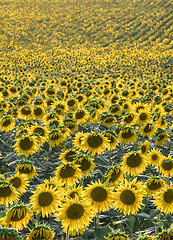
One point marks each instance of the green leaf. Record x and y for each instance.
(2, 214)
(18, 238)
(103, 232)
(143, 215)
(154, 213)
(159, 224)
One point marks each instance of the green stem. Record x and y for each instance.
(97, 220)
(67, 235)
(131, 226)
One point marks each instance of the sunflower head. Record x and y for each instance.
(8, 193)
(127, 135)
(41, 232)
(26, 167)
(8, 233)
(144, 147)
(85, 164)
(118, 235)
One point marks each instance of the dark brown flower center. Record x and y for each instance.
(40, 131)
(25, 111)
(70, 156)
(80, 114)
(5, 191)
(134, 160)
(26, 169)
(167, 165)
(75, 211)
(45, 199)
(129, 118)
(67, 171)
(127, 197)
(168, 196)
(143, 149)
(94, 141)
(154, 157)
(154, 185)
(71, 103)
(127, 134)
(26, 143)
(84, 164)
(98, 194)
(143, 116)
(16, 182)
(7, 122)
(37, 111)
(18, 215)
(147, 128)
(115, 175)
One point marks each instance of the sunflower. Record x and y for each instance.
(27, 145)
(165, 235)
(78, 140)
(85, 164)
(94, 115)
(126, 106)
(52, 183)
(7, 123)
(55, 122)
(164, 199)
(154, 157)
(134, 163)
(8, 233)
(148, 129)
(153, 185)
(94, 142)
(80, 98)
(112, 139)
(17, 217)
(71, 124)
(72, 103)
(40, 232)
(68, 156)
(162, 123)
(114, 175)
(8, 193)
(166, 166)
(129, 119)
(162, 138)
(75, 216)
(99, 196)
(40, 132)
(128, 199)
(127, 135)
(45, 200)
(81, 116)
(115, 109)
(20, 182)
(143, 116)
(108, 120)
(55, 137)
(118, 236)
(74, 191)
(144, 147)
(65, 131)
(25, 112)
(68, 174)
(139, 106)
(38, 112)
(26, 167)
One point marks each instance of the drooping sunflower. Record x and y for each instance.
(126, 106)
(162, 123)
(94, 115)
(25, 112)
(134, 163)
(99, 196)
(127, 135)
(68, 156)
(17, 217)
(71, 124)
(154, 157)
(72, 103)
(26, 167)
(115, 109)
(129, 119)
(7, 123)
(94, 142)
(45, 200)
(81, 116)
(75, 215)
(153, 185)
(144, 147)
(8, 193)
(111, 136)
(8, 233)
(85, 164)
(164, 199)
(20, 182)
(78, 140)
(148, 129)
(40, 132)
(40, 232)
(27, 145)
(55, 137)
(108, 120)
(118, 236)
(165, 235)
(163, 136)
(68, 174)
(166, 166)
(114, 176)
(128, 199)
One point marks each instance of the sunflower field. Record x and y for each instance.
(86, 120)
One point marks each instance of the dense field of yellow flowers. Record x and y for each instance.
(86, 110)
